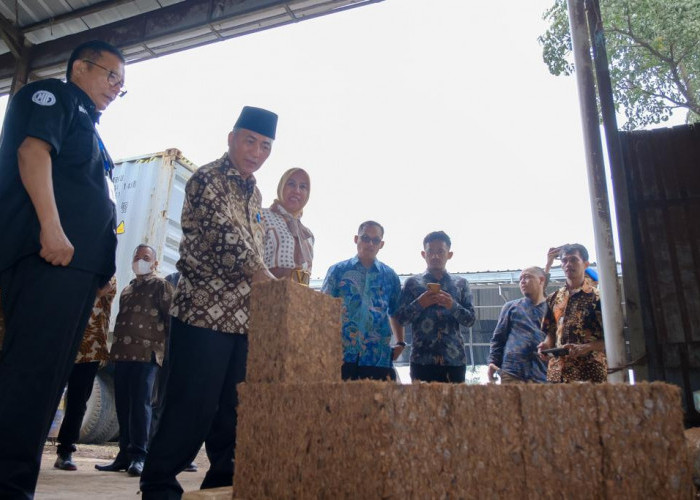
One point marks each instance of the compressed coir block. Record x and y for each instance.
(692, 437)
(641, 430)
(376, 440)
(383, 440)
(294, 334)
(561, 441)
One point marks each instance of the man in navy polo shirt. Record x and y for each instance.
(58, 246)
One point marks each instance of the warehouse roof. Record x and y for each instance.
(42, 33)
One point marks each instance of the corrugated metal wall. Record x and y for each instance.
(662, 178)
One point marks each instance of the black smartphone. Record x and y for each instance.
(556, 352)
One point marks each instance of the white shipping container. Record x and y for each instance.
(150, 193)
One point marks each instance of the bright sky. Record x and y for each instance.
(420, 115)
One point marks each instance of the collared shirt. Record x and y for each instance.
(93, 347)
(515, 339)
(437, 339)
(370, 296)
(143, 320)
(575, 317)
(221, 248)
(63, 116)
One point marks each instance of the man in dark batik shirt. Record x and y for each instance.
(436, 304)
(518, 332)
(574, 321)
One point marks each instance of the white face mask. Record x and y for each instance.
(141, 267)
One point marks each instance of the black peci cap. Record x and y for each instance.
(258, 120)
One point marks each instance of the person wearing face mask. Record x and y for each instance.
(140, 333)
(289, 245)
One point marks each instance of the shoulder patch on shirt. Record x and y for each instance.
(44, 98)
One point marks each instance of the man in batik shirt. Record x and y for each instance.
(574, 321)
(370, 292)
(518, 333)
(221, 257)
(436, 303)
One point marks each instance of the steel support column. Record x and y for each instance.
(600, 206)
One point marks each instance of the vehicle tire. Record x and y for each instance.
(100, 421)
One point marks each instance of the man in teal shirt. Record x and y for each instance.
(370, 291)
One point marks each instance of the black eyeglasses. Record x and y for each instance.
(367, 239)
(112, 78)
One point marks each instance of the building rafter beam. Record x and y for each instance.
(75, 14)
(140, 31)
(12, 37)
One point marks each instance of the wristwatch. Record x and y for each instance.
(402, 343)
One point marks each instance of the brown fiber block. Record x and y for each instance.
(561, 441)
(645, 451)
(692, 438)
(321, 440)
(294, 334)
(383, 440)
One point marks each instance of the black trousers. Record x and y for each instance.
(438, 373)
(353, 371)
(200, 407)
(82, 376)
(133, 390)
(46, 311)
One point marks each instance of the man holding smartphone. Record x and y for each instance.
(574, 322)
(436, 303)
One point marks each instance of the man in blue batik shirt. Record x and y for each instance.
(436, 303)
(370, 292)
(518, 332)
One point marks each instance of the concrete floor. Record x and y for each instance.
(87, 482)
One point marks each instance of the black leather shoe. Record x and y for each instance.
(119, 464)
(135, 468)
(65, 463)
(191, 468)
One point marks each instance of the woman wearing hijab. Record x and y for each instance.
(289, 245)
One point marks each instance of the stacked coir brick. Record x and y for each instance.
(304, 434)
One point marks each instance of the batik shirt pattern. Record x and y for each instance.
(575, 317)
(369, 296)
(143, 322)
(515, 339)
(221, 248)
(93, 347)
(437, 337)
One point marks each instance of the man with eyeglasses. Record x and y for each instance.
(370, 292)
(58, 225)
(436, 303)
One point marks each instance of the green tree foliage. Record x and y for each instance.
(653, 49)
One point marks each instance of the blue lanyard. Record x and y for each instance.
(105, 158)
